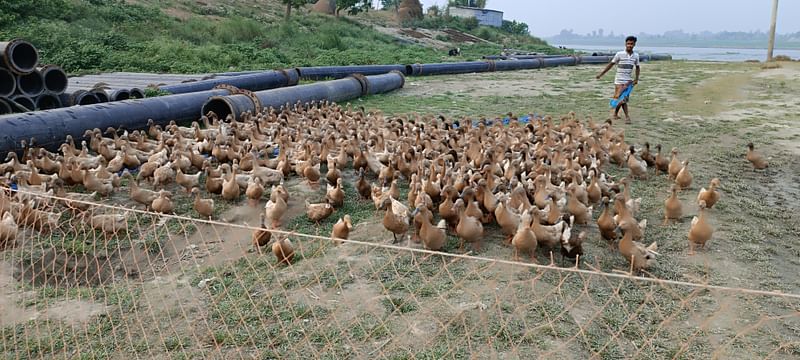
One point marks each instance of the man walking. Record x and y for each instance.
(625, 61)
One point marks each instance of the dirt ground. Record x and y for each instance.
(207, 294)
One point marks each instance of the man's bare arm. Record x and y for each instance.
(636, 79)
(608, 67)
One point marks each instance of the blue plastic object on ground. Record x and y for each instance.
(622, 97)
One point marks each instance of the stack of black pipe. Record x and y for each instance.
(24, 86)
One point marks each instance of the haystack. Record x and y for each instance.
(409, 10)
(325, 7)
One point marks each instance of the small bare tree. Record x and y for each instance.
(292, 4)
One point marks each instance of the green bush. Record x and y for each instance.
(485, 33)
(471, 23)
(15, 10)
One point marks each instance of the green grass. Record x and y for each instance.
(89, 36)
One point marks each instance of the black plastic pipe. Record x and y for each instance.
(451, 68)
(102, 95)
(84, 98)
(602, 53)
(340, 72)
(237, 73)
(5, 107)
(490, 65)
(235, 105)
(31, 84)
(136, 93)
(8, 83)
(253, 82)
(510, 65)
(334, 90)
(502, 63)
(654, 57)
(119, 95)
(596, 59)
(19, 56)
(381, 84)
(55, 79)
(25, 102)
(79, 97)
(519, 57)
(49, 128)
(560, 61)
(48, 101)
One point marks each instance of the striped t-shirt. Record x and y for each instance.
(625, 64)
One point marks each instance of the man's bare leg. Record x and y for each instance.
(618, 88)
(627, 116)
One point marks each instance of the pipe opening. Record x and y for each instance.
(31, 84)
(25, 102)
(120, 95)
(55, 80)
(5, 108)
(102, 96)
(23, 56)
(47, 102)
(136, 93)
(85, 98)
(219, 106)
(8, 84)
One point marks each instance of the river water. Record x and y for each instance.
(691, 53)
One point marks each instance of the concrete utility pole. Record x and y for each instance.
(772, 29)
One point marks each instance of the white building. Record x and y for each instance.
(485, 16)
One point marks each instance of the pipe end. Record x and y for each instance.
(137, 93)
(292, 76)
(48, 102)
(120, 94)
(5, 107)
(83, 97)
(25, 102)
(102, 95)
(21, 57)
(402, 77)
(219, 106)
(8, 84)
(55, 79)
(31, 84)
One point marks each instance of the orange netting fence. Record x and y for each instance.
(121, 283)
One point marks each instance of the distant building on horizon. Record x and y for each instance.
(486, 17)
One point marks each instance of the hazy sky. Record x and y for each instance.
(547, 18)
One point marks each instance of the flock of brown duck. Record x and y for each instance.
(538, 180)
